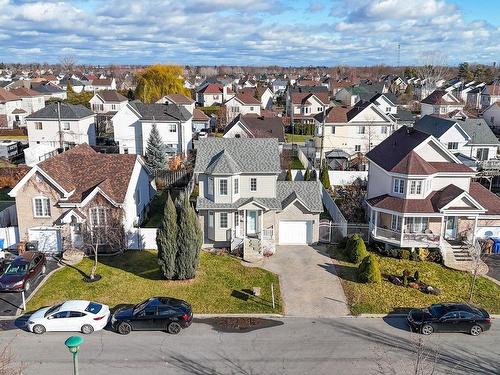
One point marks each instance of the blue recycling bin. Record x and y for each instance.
(496, 245)
(1, 243)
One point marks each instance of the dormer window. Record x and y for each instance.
(399, 186)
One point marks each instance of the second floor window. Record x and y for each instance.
(223, 187)
(482, 154)
(38, 126)
(41, 207)
(236, 186)
(253, 184)
(357, 148)
(172, 128)
(384, 130)
(98, 217)
(65, 125)
(452, 145)
(399, 186)
(361, 130)
(415, 187)
(210, 186)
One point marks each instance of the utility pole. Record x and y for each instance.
(322, 139)
(61, 143)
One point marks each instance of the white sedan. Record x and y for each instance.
(82, 316)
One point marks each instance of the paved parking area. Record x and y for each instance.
(11, 302)
(309, 284)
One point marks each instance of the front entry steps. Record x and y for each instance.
(457, 256)
(252, 250)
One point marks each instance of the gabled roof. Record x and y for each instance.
(179, 99)
(438, 97)
(102, 82)
(199, 115)
(251, 155)
(490, 201)
(82, 170)
(67, 112)
(247, 99)
(46, 88)
(413, 164)
(260, 126)
(303, 97)
(7, 96)
(214, 88)
(160, 112)
(111, 96)
(24, 92)
(308, 193)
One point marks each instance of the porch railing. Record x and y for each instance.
(267, 234)
(406, 238)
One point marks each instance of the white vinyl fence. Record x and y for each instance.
(10, 237)
(142, 239)
(8, 216)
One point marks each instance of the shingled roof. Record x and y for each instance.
(67, 112)
(111, 96)
(260, 126)
(251, 155)
(7, 96)
(161, 112)
(81, 169)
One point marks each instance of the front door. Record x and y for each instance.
(251, 222)
(451, 227)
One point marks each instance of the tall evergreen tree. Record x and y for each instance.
(155, 153)
(166, 240)
(307, 175)
(325, 178)
(289, 174)
(189, 243)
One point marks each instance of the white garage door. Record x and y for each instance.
(295, 232)
(48, 239)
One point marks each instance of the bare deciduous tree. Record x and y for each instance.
(103, 230)
(433, 68)
(67, 62)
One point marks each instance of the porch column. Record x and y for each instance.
(261, 218)
(375, 223)
(402, 229)
(245, 224)
(474, 232)
(442, 230)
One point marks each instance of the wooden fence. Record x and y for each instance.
(168, 179)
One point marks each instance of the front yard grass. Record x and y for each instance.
(297, 138)
(386, 297)
(219, 286)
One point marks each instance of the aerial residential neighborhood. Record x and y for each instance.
(263, 187)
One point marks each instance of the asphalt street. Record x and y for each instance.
(295, 346)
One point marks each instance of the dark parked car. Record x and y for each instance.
(155, 314)
(450, 317)
(22, 271)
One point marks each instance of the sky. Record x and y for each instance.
(251, 32)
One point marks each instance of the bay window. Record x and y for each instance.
(399, 186)
(223, 187)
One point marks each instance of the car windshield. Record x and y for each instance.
(140, 306)
(16, 269)
(437, 310)
(93, 308)
(53, 309)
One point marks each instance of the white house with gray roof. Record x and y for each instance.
(132, 125)
(242, 202)
(471, 137)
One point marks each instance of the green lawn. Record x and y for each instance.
(297, 137)
(295, 163)
(156, 211)
(387, 297)
(134, 276)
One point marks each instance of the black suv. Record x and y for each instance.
(155, 314)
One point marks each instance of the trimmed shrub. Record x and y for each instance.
(356, 249)
(369, 270)
(423, 254)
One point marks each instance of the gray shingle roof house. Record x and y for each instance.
(67, 112)
(242, 203)
(471, 137)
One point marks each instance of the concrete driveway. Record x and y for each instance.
(493, 262)
(309, 284)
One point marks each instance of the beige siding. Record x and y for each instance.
(297, 212)
(266, 186)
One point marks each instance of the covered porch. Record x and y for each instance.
(250, 221)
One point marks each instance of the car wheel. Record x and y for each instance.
(87, 329)
(174, 328)
(27, 286)
(44, 269)
(476, 330)
(427, 329)
(38, 329)
(124, 328)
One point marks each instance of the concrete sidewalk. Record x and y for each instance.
(309, 284)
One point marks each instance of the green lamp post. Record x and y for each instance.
(73, 343)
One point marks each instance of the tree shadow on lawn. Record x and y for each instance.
(139, 263)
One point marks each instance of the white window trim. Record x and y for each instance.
(251, 185)
(220, 187)
(227, 220)
(398, 184)
(236, 184)
(210, 219)
(44, 213)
